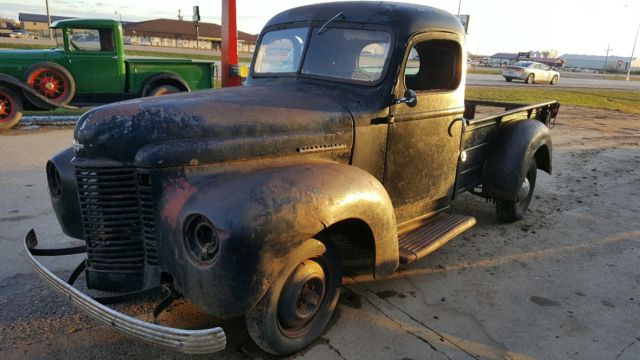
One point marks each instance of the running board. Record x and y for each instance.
(434, 233)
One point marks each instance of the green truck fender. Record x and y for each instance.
(260, 217)
(36, 98)
(518, 143)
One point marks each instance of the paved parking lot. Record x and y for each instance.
(561, 284)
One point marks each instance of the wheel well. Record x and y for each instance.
(543, 160)
(165, 79)
(172, 82)
(356, 243)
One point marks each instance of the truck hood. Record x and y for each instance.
(214, 126)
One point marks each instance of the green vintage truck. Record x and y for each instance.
(87, 67)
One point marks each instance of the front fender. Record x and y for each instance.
(36, 98)
(518, 143)
(262, 215)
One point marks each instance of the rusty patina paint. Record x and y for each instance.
(177, 193)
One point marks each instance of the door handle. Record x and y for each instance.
(464, 125)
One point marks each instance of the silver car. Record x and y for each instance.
(531, 72)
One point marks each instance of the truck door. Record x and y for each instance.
(92, 59)
(424, 141)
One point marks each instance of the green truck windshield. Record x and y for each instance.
(345, 54)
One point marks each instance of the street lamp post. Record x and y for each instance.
(49, 19)
(633, 50)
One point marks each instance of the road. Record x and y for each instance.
(561, 284)
(565, 82)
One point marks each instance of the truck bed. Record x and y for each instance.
(478, 140)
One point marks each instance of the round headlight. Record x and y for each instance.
(53, 178)
(201, 239)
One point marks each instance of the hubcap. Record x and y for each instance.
(49, 83)
(524, 190)
(5, 106)
(301, 296)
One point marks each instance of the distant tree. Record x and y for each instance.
(8, 23)
(549, 53)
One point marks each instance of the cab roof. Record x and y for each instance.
(89, 23)
(405, 19)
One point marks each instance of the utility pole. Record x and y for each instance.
(633, 50)
(49, 19)
(459, 5)
(179, 16)
(196, 21)
(604, 69)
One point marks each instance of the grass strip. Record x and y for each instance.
(619, 100)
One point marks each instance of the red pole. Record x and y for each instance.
(230, 45)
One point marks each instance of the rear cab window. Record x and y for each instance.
(92, 40)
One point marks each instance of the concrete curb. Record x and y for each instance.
(48, 120)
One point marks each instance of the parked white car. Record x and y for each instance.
(531, 72)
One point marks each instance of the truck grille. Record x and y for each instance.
(118, 219)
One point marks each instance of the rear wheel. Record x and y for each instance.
(554, 80)
(530, 79)
(10, 108)
(300, 303)
(512, 210)
(52, 81)
(163, 90)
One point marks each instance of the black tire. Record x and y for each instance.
(508, 79)
(296, 309)
(160, 90)
(530, 79)
(39, 71)
(516, 209)
(554, 80)
(10, 108)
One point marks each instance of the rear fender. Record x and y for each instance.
(518, 141)
(263, 215)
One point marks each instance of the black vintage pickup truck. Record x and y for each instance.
(349, 141)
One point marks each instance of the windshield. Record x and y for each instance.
(524, 64)
(57, 33)
(346, 54)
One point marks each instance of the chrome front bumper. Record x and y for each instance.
(202, 341)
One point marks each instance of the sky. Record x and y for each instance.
(568, 26)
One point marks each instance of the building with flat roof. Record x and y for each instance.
(37, 24)
(597, 62)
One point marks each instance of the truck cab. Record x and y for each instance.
(349, 142)
(93, 44)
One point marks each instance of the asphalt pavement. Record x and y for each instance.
(565, 82)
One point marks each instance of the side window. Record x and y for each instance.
(434, 65)
(91, 40)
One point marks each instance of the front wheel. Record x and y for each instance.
(512, 210)
(10, 108)
(300, 303)
(52, 81)
(530, 79)
(554, 80)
